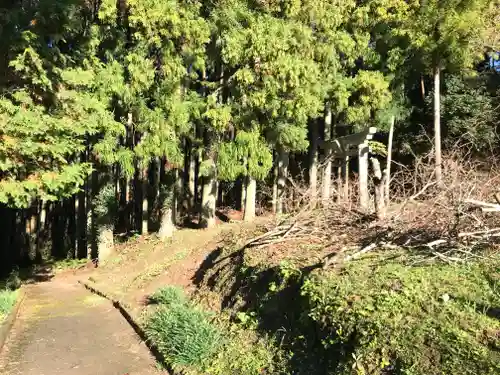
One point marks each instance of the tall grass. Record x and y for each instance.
(183, 333)
(191, 341)
(7, 301)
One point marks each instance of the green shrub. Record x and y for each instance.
(13, 282)
(388, 318)
(190, 340)
(169, 295)
(7, 301)
(244, 353)
(184, 334)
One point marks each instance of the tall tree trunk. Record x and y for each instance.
(94, 190)
(327, 171)
(437, 125)
(339, 181)
(422, 87)
(192, 178)
(251, 192)
(244, 183)
(275, 188)
(40, 229)
(363, 176)
(345, 171)
(389, 162)
(283, 161)
(379, 188)
(209, 198)
(81, 223)
(145, 203)
(243, 196)
(178, 197)
(72, 229)
(313, 161)
(167, 226)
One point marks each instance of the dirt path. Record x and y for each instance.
(62, 329)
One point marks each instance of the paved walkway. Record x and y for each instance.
(62, 329)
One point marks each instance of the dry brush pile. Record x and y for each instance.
(452, 222)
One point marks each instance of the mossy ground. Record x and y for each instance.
(280, 312)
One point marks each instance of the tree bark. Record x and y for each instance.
(422, 87)
(244, 186)
(339, 182)
(283, 161)
(275, 189)
(387, 196)
(251, 192)
(192, 179)
(327, 171)
(363, 176)
(93, 250)
(40, 229)
(209, 199)
(345, 170)
(243, 193)
(313, 161)
(178, 197)
(167, 226)
(379, 188)
(145, 203)
(437, 125)
(167, 221)
(105, 242)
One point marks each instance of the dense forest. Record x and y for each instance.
(137, 116)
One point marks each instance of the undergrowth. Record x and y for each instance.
(380, 316)
(194, 341)
(7, 300)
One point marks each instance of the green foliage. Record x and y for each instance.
(169, 296)
(247, 155)
(106, 205)
(377, 148)
(189, 339)
(184, 334)
(245, 353)
(13, 282)
(469, 114)
(7, 300)
(381, 316)
(68, 264)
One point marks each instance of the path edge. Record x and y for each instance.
(6, 325)
(131, 320)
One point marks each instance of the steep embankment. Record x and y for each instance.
(287, 303)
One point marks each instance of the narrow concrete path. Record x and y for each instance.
(62, 329)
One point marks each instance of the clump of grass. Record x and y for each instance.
(183, 333)
(384, 317)
(170, 295)
(191, 339)
(7, 301)
(68, 264)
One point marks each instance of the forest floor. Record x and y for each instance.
(63, 329)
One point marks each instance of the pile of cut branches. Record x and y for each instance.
(454, 222)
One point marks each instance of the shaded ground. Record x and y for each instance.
(62, 329)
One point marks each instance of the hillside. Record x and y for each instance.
(317, 302)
